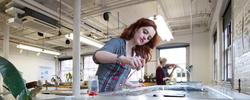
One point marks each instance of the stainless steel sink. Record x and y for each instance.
(177, 91)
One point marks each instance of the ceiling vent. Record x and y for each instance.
(38, 22)
(41, 23)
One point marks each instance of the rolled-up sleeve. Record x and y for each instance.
(111, 46)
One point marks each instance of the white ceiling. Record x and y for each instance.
(176, 12)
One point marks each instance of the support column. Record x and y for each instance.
(6, 37)
(76, 49)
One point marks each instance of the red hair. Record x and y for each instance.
(146, 49)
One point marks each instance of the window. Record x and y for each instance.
(227, 42)
(66, 67)
(89, 66)
(176, 55)
(215, 54)
(227, 53)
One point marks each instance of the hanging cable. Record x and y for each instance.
(191, 26)
(191, 19)
(60, 14)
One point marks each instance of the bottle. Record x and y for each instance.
(93, 86)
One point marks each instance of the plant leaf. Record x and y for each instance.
(13, 80)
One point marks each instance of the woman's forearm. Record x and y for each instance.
(133, 85)
(105, 57)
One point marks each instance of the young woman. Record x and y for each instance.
(119, 55)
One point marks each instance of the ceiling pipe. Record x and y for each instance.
(98, 10)
(12, 40)
(65, 4)
(188, 31)
(28, 41)
(184, 18)
(199, 22)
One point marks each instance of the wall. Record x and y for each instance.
(28, 63)
(241, 44)
(241, 41)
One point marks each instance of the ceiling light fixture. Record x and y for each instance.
(162, 28)
(87, 40)
(39, 50)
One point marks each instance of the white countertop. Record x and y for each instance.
(219, 92)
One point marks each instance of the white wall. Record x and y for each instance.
(28, 62)
(200, 58)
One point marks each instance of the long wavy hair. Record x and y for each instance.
(141, 50)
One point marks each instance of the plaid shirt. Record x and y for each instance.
(112, 76)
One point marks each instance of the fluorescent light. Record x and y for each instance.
(162, 28)
(51, 52)
(87, 40)
(39, 50)
(28, 48)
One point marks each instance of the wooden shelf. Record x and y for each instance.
(148, 84)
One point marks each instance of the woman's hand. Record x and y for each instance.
(133, 85)
(166, 78)
(135, 62)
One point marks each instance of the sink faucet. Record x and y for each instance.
(183, 70)
(239, 86)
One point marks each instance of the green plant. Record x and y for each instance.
(13, 80)
(69, 77)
